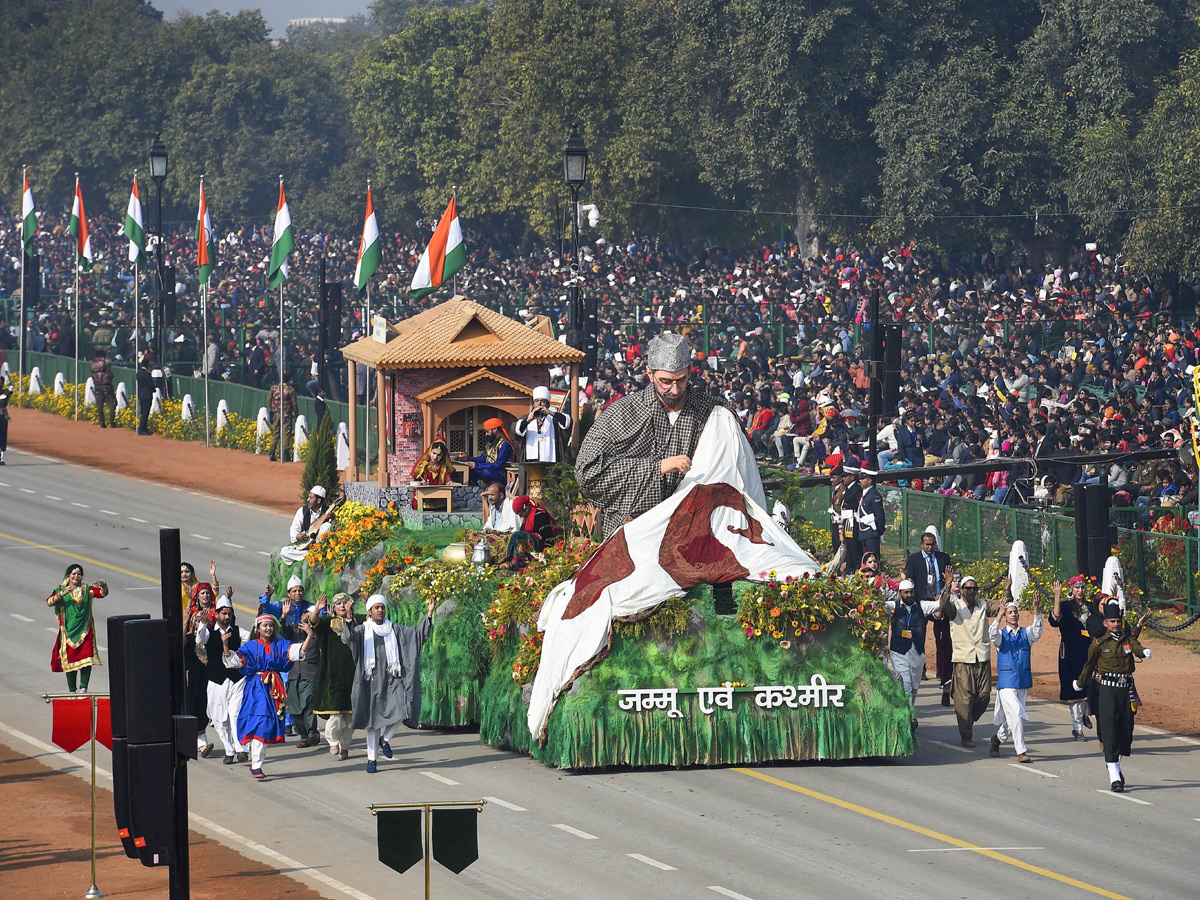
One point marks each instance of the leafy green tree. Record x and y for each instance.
(320, 460)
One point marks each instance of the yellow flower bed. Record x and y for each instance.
(337, 547)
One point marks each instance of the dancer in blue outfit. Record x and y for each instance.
(263, 661)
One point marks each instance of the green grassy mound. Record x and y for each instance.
(588, 729)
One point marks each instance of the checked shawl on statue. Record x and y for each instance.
(713, 529)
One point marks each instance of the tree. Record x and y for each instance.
(320, 459)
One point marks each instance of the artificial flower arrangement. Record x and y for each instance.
(790, 609)
(338, 546)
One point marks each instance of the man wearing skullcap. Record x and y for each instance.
(640, 447)
(906, 640)
(971, 654)
(224, 686)
(1014, 675)
(335, 678)
(1111, 662)
(544, 432)
(387, 676)
(497, 454)
(302, 523)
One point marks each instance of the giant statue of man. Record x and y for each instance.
(639, 448)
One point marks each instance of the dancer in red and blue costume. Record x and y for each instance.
(263, 661)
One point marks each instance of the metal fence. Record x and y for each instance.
(1163, 566)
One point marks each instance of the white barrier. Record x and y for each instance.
(299, 436)
(156, 403)
(343, 447)
(187, 410)
(122, 396)
(60, 385)
(35, 381)
(222, 415)
(89, 392)
(264, 428)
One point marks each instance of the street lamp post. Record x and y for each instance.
(575, 157)
(158, 171)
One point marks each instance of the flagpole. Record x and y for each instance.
(136, 328)
(282, 421)
(207, 367)
(367, 390)
(454, 279)
(81, 222)
(21, 329)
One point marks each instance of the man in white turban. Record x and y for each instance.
(387, 677)
(302, 525)
(544, 431)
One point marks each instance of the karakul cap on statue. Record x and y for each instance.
(669, 352)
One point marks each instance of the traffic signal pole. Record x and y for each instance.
(179, 871)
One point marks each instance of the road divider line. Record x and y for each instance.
(1158, 732)
(20, 618)
(498, 801)
(575, 831)
(263, 553)
(930, 833)
(107, 512)
(52, 497)
(237, 546)
(200, 537)
(960, 849)
(52, 630)
(1027, 768)
(27, 491)
(5, 484)
(651, 862)
(80, 505)
(726, 892)
(442, 778)
(1124, 797)
(136, 519)
(284, 862)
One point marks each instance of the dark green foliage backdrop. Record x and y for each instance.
(1040, 123)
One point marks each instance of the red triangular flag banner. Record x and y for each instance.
(72, 722)
(103, 722)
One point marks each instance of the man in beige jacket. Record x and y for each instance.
(971, 686)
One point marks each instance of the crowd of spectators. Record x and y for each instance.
(1000, 355)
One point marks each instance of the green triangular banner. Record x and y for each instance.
(399, 834)
(455, 838)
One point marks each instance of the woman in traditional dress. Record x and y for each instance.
(1073, 648)
(75, 647)
(264, 697)
(434, 467)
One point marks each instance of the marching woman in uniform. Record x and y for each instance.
(1110, 662)
(262, 661)
(75, 647)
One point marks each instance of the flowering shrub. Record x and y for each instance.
(1168, 554)
(434, 578)
(337, 547)
(794, 608)
(814, 539)
(350, 510)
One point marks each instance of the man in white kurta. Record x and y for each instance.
(224, 687)
(1014, 676)
(301, 522)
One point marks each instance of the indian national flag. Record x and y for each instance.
(369, 253)
(282, 243)
(134, 228)
(78, 227)
(444, 256)
(28, 219)
(206, 251)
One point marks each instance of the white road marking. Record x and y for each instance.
(968, 849)
(1158, 732)
(51, 497)
(514, 806)
(27, 491)
(200, 537)
(442, 778)
(108, 512)
(952, 747)
(228, 544)
(726, 892)
(1025, 767)
(651, 862)
(284, 862)
(52, 630)
(20, 618)
(263, 553)
(136, 519)
(80, 505)
(575, 831)
(5, 484)
(1124, 797)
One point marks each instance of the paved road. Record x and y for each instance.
(944, 823)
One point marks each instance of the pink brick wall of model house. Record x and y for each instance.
(410, 382)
